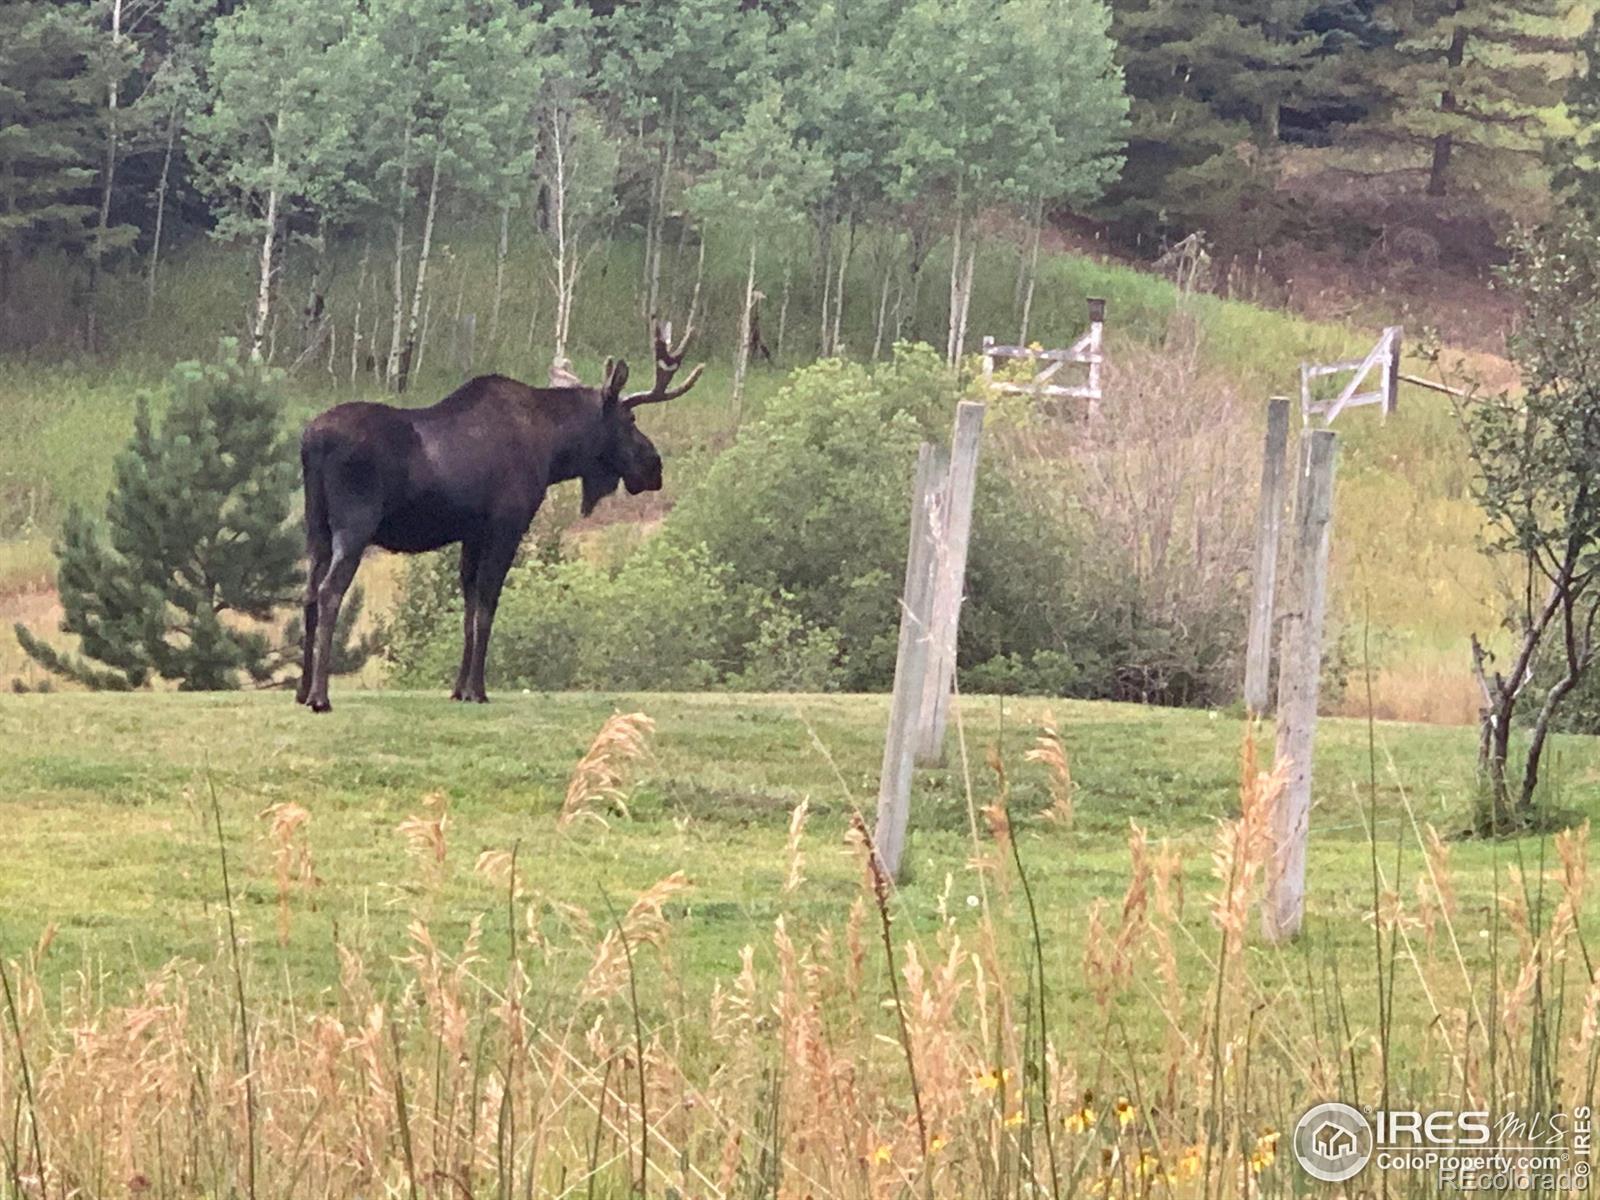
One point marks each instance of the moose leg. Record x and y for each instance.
(308, 638)
(492, 568)
(330, 595)
(471, 555)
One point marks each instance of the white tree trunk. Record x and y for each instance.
(421, 284)
(838, 291)
(391, 366)
(741, 360)
(950, 352)
(502, 248)
(1032, 270)
(161, 214)
(422, 340)
(658, 216)
(565, 284)
(964, 298)
(783, 313)
(825, 247)
(883, 308)
(108, 176)
(269, 235)
(699, 278)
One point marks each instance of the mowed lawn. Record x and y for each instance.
(109, 831)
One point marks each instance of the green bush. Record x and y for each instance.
(659, 621)
(813, 505)
(789, 653)
(416, 635)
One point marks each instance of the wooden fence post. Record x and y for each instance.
(1097, 328)
(952, 532)
(1299, 680)
(911, 662)
(1269, 530)
(1391, 370)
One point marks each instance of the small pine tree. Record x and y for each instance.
(198, 552)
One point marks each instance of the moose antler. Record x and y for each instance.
(668, 360)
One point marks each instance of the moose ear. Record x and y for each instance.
(613, 380)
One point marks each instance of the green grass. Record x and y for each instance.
(108, 820)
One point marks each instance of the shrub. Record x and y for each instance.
(659, 621)
(812, 506)
(1164, 489)
(789, 653)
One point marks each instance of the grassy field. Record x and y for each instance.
(110, 822)
(400, 1040)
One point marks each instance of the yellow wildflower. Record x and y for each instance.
(1081, 1120)
(1125, 1112)
(882, 1154)
(937, 1143)
(988, 1081)
(1266, 1150)
(1014, 1119)
(1189, 1163)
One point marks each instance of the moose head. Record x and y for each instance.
(626, 455)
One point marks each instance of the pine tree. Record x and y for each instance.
(197, 554)
(1209, 82)
(1466, 75)
(1575, 156)
(49, 114)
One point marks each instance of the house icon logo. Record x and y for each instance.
(1332, 1142)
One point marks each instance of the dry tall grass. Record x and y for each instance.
(858, 1060)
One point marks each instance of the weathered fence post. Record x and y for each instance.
(952, 532)
(1299, 680)
(1269, 529)
(1097, 328)
(911, 661)
(1391, 370)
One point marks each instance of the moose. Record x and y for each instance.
(472, 469)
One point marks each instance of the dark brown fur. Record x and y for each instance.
(472, 469)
